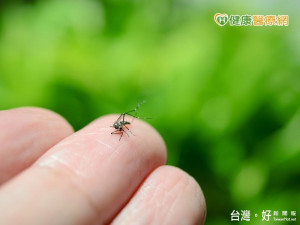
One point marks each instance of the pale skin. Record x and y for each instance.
(51, 175)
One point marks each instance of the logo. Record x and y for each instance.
(251, 20)
(221, 19)
(265, 215)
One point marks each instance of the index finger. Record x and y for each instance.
(88, 177)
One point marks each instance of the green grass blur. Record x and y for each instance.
(225, 99)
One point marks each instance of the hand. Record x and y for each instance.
(50, 175)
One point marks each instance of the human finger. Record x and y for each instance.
(168, 196)
(86, 178)
(25, 134)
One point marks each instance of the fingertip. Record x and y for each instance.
(29, 133)
(189, 192)
(38, 115)
(168, 196)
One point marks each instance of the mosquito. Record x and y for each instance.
(120, 123)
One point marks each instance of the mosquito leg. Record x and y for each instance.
(121, 136)
(126, 133)
(118, 132)
(148, 118)
(136, 108)
(123, 116)
(135, 111)
(119, 117)
(129, 130)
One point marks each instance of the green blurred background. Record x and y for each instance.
(225, 99)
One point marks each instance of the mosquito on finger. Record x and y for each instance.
(121, 123)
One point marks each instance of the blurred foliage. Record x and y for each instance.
(225, 99)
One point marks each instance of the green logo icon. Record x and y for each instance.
(221, 19)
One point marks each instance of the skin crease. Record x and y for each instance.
(90, 177)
